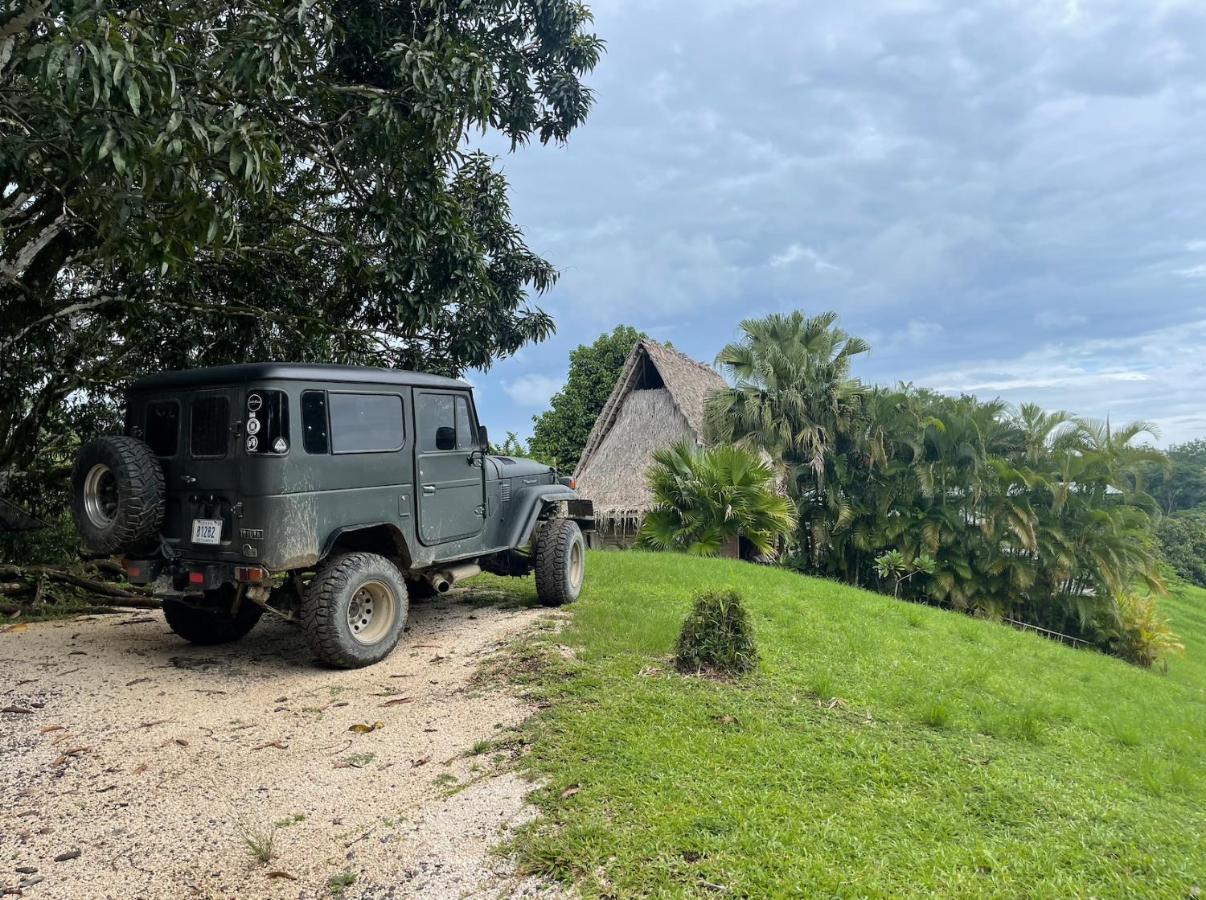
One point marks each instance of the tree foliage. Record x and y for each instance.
(560, 433)
(1183, 545)
(1179, 482)
(706, 498)
(1034, 515)
(198, 183)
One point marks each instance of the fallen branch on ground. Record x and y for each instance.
(88, 588)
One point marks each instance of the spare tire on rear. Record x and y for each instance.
(117, 494)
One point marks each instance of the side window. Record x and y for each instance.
(209, 426)
(464, 425)
(366, 423)
(267, 425)
(314, 422)
(163, 427)
(437, 422)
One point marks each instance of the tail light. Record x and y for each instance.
(251, 574)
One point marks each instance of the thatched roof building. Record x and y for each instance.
(658, 400)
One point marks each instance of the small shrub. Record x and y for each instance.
(717, 636)
(1142, 635)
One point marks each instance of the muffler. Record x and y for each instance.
(445, 579)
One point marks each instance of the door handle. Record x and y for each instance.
(429, 489)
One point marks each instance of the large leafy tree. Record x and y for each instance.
(560, 432)
(204, 182)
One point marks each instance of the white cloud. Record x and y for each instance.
(533, 390)
(796, 252)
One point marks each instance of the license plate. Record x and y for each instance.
(207, 531)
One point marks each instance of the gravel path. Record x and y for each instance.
(154, 759)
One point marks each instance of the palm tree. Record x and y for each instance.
(793, 395)
(706, 498)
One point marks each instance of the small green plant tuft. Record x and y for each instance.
(936, 715)
(260, 842)
(337, 884)
(717, 636)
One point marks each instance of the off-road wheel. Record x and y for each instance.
(560, 562)
(355, 610)
(117, 494)
(215, 625)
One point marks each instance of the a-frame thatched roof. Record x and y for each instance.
(658, 399)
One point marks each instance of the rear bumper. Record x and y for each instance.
(192, 576)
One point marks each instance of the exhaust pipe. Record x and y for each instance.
(444, 580)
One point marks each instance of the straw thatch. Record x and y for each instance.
(658, 400)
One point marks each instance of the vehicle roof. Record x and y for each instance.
(265, 371)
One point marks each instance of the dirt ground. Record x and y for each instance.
(153, 763)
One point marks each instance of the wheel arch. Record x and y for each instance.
(532, 505)
(383, 538)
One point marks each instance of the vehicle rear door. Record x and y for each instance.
(449, 474)
(203, 480)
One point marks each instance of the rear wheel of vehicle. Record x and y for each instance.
(214, 625)
(117, 494)
(560, 562)
(355, 610)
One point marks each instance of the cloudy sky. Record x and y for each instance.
(1005, 197)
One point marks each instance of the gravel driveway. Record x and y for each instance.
(151, 763)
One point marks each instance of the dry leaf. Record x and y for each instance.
(140, 769)
(49, 728)
(365, 728)
(398, 701)
(421, 761)
(279, 745)
(16, 709)
(13, 629)
(280, 874)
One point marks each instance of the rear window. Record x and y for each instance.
(209, 427)
(365, 423)
(267, 425)
(314, 422)
(163, 427)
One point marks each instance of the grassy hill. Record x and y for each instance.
(882, 749)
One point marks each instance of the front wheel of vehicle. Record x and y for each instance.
(560, 562)
(355, 610)
(206, 627)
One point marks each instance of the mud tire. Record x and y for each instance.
(341, 588)
(560, 562)
(117, 495)
(208, 627)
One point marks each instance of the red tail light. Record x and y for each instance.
(196, 578)
(251, 574)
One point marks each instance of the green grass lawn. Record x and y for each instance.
(881, 749)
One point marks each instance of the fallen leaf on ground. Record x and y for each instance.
(140, 769)
(70, 854)
(49, 728)
(10, 629)
(421, 761)
(137, 681)
(279, 745)
(16, 709)
(365, 728)
(398, 701)
(280, 874)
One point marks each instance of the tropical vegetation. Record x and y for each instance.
(559, 433)
(1019, 513)
(878, 749)
(710, 498)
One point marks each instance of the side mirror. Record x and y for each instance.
(446, 438)
(483, 439)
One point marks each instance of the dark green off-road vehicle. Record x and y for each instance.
(325, 494)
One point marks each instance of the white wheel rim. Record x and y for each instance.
(100, 496)
(371, 612)
(576, 564)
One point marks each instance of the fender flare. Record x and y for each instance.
(401, 549)
(532, 504)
